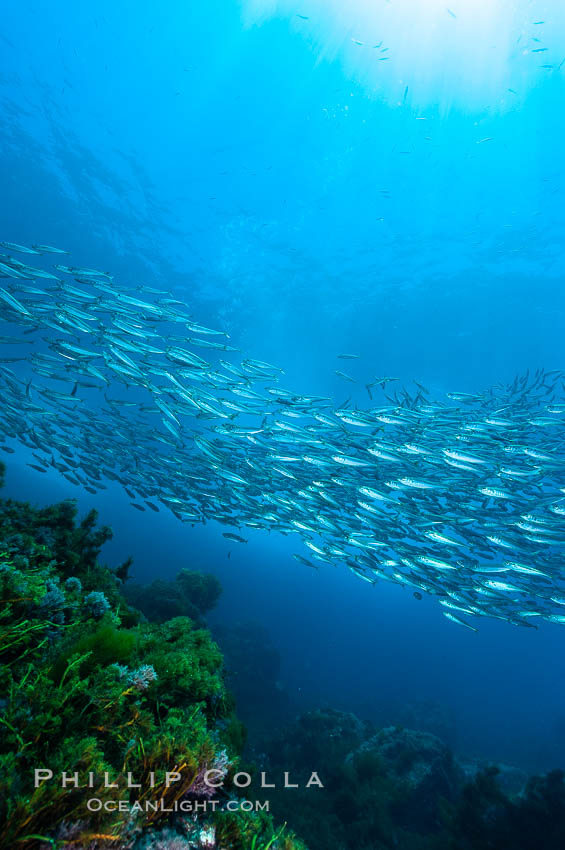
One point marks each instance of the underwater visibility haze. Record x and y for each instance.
(282, 300)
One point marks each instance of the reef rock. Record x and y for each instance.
(510, 779)
(423, 766)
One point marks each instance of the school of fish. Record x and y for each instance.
(461, 497)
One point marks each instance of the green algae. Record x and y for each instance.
(190, 594)
(96, 689)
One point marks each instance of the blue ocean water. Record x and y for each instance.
(316, 178)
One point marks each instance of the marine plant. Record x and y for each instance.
(487, 819)
(86, 687)
(190, 594)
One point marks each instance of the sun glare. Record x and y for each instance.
(446, 51)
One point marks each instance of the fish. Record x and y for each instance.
(455, 619)
(235, 537)
(19, 249)
(456, 494)
(48, 249)
(417, 485)
(435, 563)
(441, 538)
(463, 458)
(13, 302)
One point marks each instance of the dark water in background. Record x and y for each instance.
(269, 172)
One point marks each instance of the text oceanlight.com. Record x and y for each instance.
(95, 804)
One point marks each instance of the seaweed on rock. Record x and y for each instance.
(401, 789)
(85, 687)
(190, 594)
(487, 819)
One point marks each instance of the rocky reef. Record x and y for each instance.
(189, 594)
(402, 789)
(139, 710)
